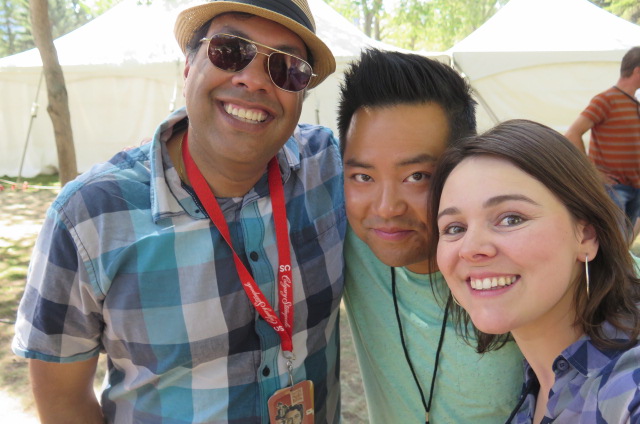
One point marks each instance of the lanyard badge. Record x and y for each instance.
(286, 403)
(292, 405)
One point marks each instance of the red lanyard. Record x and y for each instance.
(283, 325)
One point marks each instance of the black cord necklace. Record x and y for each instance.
(427, 405)
(531, 387)
(633, 99)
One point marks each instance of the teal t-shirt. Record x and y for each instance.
(469, 388)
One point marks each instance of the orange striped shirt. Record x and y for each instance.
(615, 137)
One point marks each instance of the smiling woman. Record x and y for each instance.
(495, 225)
(530, 246)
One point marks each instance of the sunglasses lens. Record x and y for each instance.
(230, 53)
(233, 54)
(288, 72)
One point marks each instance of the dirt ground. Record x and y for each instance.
(21, 214)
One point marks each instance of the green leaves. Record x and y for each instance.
(436, 25)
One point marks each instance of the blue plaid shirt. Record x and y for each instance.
(127, 262)
(592, 386)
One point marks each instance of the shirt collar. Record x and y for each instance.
(583, 355)
(586, 358)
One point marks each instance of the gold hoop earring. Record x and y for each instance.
(586, 272)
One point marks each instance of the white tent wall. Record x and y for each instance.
(321, 105)
(111, 108)
(553, 94)
(123, 73)
(543, 60)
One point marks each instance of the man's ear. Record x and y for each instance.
(588, 242)
(185, 74)
(187, 67)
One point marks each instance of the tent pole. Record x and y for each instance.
(481, 100)
(34, 114)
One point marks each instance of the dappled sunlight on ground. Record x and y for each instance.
(12, 411)
(22, 212)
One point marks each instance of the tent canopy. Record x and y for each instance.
(124, 73)
(543, 59)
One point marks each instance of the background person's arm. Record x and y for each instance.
(580, 126)
(64, 392)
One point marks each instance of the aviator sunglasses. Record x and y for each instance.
(232, 53)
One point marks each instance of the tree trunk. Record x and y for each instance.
(376, 27)
(368, 23)
(58, 107)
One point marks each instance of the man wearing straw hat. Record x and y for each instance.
(207, 264)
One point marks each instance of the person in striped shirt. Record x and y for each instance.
(613, 117)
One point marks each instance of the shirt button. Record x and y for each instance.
(266, 371)
(563, 365)
(254, 256)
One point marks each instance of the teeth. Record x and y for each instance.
(245, 114)
(490, 283)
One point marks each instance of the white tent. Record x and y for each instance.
(543, 59)
(123, 73)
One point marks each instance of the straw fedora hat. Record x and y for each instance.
(293, 14)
